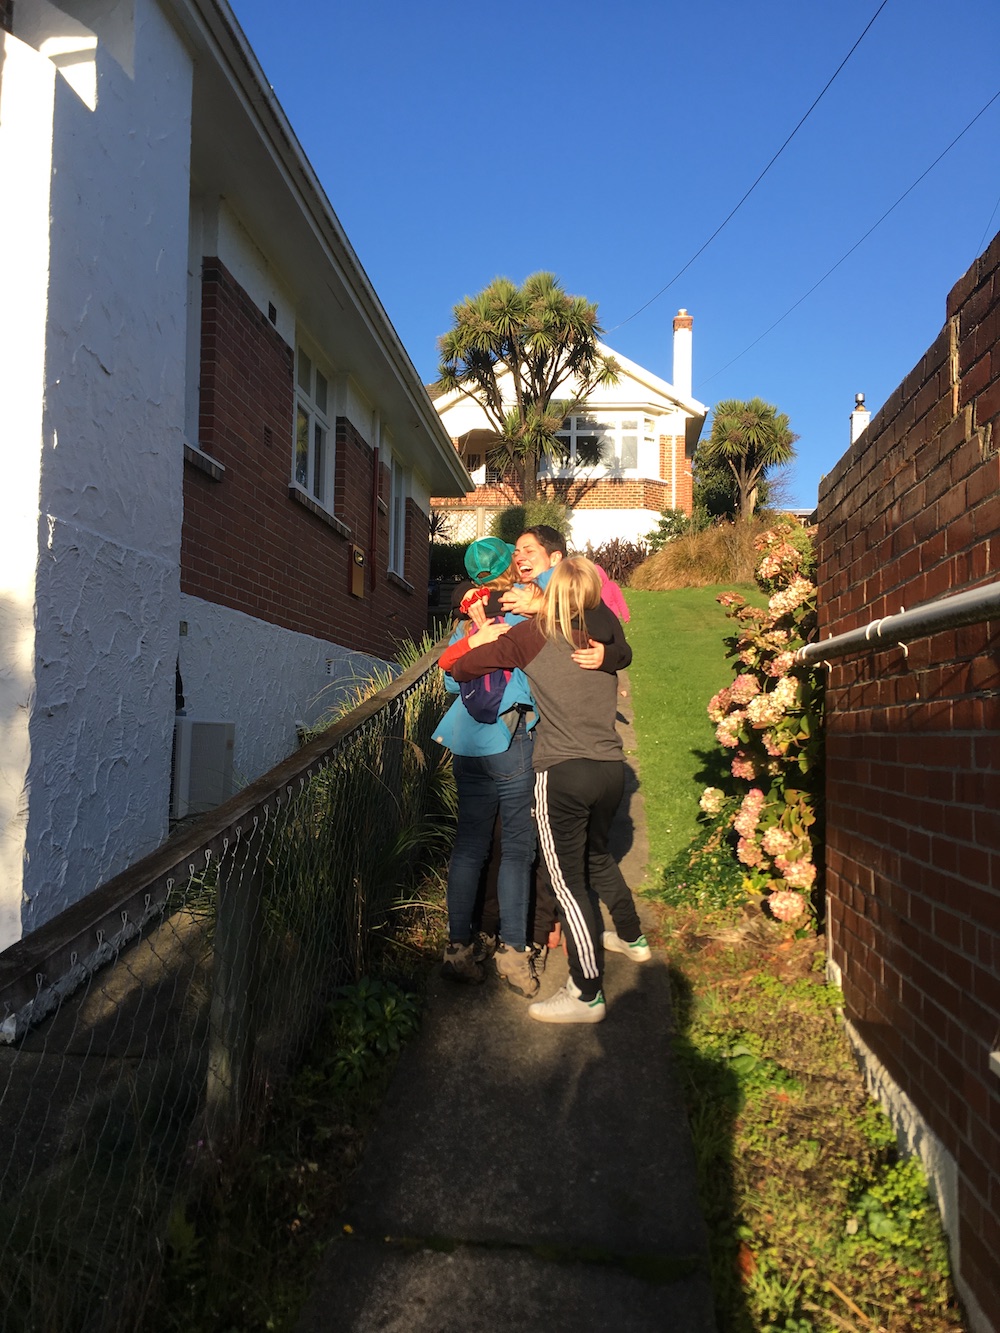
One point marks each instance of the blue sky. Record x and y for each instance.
(607, 144)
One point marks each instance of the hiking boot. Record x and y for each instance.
(638, 950)
(539, 956)
(567, 1006)
(460, 964)
(483, 946)
(517, 968)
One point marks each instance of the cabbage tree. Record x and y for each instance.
(750, 438)
(513, 349)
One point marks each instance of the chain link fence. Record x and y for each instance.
(146, 1028)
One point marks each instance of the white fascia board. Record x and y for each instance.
(663, 396)
(661, 388)
(212, 28)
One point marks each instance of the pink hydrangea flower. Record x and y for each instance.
(712, 800)
(743, 688)
(748, 817)
(786, 905)
(743, 767)
(748, 852)
(727, 732)
(797, 592)
(777, 841)
(780, 665)
(718, 705)
(796, 874)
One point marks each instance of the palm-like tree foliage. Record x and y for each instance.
(512, 349)
(750, 438)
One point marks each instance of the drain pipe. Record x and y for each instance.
(963, 608)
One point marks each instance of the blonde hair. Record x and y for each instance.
(573, 589)
(503, 582)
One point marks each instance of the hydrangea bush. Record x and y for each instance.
(771, 719)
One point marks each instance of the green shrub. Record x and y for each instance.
(448, 560)
(673, 523)
(706, 874)
(511, 522)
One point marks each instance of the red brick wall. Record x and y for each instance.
(606, 493)
(245, 542)
(912, 512)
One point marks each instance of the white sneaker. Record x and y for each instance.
(566, 1006)
(638, 950)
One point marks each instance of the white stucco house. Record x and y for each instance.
(218, 456)
(646, 429)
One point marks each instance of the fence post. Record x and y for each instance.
(231, 1014)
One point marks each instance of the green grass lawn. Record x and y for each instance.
(679, 663)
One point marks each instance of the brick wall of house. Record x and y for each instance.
(673, 455)
(607, 493)
(250, 545)
(602, 493)
(911, 513)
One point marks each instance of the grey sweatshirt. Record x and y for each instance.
(577, 708)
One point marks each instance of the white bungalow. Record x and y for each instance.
(646, 430)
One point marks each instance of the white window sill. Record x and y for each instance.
(303, 498)
(400, 582)
(204, 462)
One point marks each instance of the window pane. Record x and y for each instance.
(302, 447)
(305, 372)
(630, 451)
(630, 425)
(321, 391)
(319, 460)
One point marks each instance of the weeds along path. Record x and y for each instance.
(679, 662)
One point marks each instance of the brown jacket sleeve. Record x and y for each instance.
(516, 648)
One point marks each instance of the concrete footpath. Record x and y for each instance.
(525, 1176)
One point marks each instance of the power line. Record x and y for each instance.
(860, 241)
(729, 216)
(986, 229)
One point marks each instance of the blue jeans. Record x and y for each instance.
(487, 784)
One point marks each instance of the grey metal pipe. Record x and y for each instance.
(963, 608)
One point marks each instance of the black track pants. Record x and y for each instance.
(575, 802)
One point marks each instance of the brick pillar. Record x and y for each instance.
(675, 470)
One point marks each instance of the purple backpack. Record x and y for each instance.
(482, 696)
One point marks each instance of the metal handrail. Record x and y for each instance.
(963, 608)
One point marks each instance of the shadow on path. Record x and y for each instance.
(526, 1176)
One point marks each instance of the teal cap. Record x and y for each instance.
(488, 558)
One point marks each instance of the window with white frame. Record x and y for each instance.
(313, 461)
(397, 516)
(612, 441)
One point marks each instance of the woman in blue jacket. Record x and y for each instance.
(493, 774)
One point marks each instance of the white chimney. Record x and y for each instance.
(682, 353)
(860, 417)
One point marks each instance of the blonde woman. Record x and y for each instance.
(579, 769)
